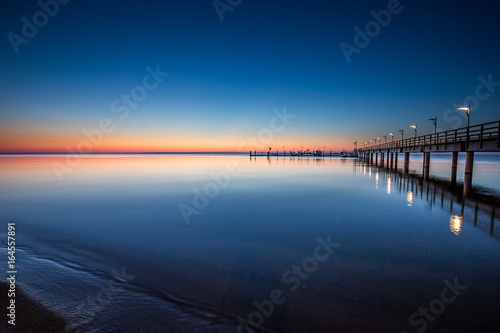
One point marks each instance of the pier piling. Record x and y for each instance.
(427, 161)
(407, 163)
(469, 164)
(454, 164)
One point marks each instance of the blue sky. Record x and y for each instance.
(226, 77)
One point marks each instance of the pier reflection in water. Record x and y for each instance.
(470, 209)
(414, 186)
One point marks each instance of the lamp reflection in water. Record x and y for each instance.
(409, 198)
(456, 222)
(376, 181)
(389, 185)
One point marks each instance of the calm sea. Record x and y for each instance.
(224, 243)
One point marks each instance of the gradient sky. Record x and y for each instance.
(226, 77)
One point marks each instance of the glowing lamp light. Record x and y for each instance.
(467, 112)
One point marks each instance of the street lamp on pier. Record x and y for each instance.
(392, 135)
(434, 121)
(467, 112)
(415, 128)
(402, 131)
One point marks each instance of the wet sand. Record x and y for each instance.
(31, 316)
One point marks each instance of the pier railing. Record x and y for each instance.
(476, 133)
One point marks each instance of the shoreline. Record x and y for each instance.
(31, 315)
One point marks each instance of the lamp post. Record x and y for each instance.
(434, 121)
(392, 135)
(415, 128)
(467, 112)
(402, 136)
(466, 109)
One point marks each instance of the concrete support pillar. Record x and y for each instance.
(381, 159)
(407, 163)
(371, 158)
(469, 163)
(427, 163)
(376, 158)
(454, 164)
(396, 161)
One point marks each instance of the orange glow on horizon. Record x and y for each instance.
(32, 140)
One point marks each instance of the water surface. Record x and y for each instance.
(246, 224)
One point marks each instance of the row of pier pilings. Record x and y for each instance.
(391, 163)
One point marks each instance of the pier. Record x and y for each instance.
(478, 138)
(293, 154)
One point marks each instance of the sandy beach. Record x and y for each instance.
(31, 316)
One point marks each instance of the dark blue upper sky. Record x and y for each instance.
(225, 77)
